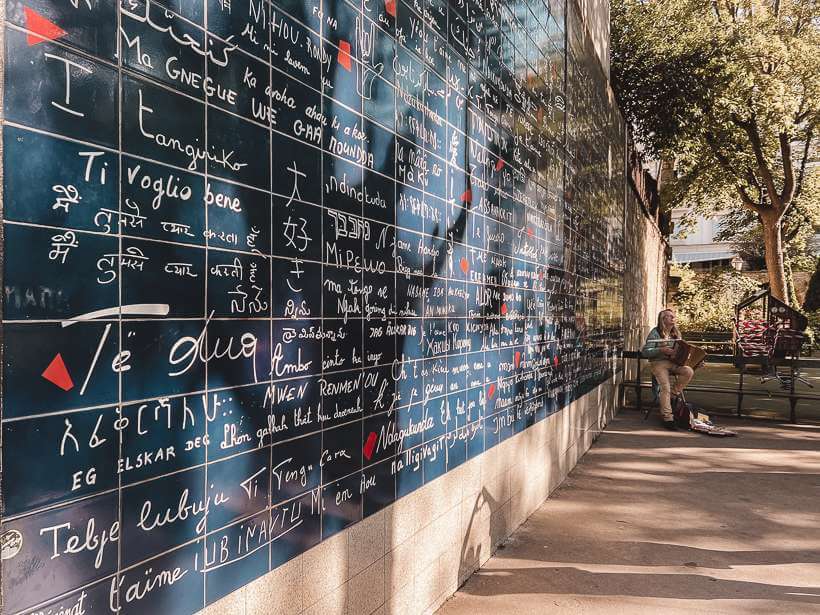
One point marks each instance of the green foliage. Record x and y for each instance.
(730, 91)
(742, 228)
(706, 302)
(685, 69)
(813, 330)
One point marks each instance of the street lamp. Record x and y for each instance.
(737, 263)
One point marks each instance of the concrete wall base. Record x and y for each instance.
(412, 556)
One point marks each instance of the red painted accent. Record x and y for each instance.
(491, 391)
(467, 196)
(390, 7)
(41, 29)
(344, 54)
(499, 165)
(465, 265)
(369, 445)
(503, 309)
(517, 358)
(57, 373)
(556, 361)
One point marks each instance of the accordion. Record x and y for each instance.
(687, 354)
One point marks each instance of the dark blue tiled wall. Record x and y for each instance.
(270, 267)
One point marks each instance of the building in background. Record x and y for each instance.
(699, 248)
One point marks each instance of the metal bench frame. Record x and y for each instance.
(792, 395)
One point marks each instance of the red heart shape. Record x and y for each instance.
(503, 309)
(491, 391)
(465, 265)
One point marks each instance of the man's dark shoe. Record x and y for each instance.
(670, 425)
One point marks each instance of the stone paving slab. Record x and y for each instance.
(662, 522)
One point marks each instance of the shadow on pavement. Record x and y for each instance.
(653, 521)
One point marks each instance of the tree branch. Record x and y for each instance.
(801, 174)
(750, 177)
(716, 7)
(747, 200)
(751, 130)
(788, 169)
(732, 10)
(722, 160)
(788, 237)
(795, 223)
(798, 26)
(752, 180)
(802, 111)
(724, 163)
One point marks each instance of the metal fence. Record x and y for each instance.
(790, 393)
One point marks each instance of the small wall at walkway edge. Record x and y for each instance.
(645, 282)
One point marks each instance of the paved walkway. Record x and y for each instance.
(657, 522)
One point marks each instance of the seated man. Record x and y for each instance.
(658, 348)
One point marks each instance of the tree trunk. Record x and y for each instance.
(791, 290)
(773, 242)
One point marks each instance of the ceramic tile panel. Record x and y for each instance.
(270, 267)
